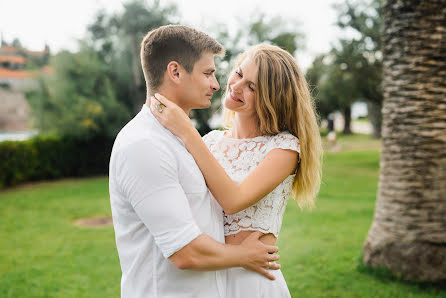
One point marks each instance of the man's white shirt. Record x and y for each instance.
(160, 203)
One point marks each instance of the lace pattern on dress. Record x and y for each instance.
(239, 157)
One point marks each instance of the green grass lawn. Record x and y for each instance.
(43, 254)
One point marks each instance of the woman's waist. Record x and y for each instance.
(238, 238)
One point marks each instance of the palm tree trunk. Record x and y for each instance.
(375, 117)
(408, 233)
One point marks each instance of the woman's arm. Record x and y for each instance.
(233, 197)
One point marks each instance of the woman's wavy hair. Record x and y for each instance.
(284, 103)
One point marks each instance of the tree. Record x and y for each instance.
(78, 98)
(275, 31)
(316, 76)
(334, 83)
(362, 54)
(351, 71)
(16, 43)
(408, 233)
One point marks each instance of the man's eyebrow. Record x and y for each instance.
(210, 69)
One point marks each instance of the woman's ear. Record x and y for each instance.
(173, 71)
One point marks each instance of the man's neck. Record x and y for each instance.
(172, 95)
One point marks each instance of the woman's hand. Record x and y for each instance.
(172, 117)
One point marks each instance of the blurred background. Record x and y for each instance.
(70, 78)
(49, 45)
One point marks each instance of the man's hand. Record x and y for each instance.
(259, 256)
(172, 117)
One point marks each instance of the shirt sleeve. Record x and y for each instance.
(284, 140)
(149, 179)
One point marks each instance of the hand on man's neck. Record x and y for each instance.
(171, 95)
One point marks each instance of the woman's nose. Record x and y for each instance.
(236, 87)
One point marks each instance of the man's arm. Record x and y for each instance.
(204, 253)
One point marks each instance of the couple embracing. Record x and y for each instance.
(199, 217)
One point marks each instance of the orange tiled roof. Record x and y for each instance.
(12, 59)
(13, 50)
(14, 74)
(9, 49)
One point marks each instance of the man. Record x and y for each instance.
(164, 216)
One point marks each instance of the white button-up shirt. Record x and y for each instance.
(160, 203)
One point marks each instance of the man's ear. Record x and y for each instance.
(174, 71)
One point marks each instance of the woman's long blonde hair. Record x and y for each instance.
(284, 103)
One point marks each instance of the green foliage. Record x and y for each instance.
(364, 57)
(351, 71)
(52, 157)
(275, 31)
(319, 77)
(96, 90)
(78, 98)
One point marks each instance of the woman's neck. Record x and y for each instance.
(245, 127)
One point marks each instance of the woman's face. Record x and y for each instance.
(242, 84)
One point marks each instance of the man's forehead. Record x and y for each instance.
(206, 61)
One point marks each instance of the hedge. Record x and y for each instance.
(53, 157)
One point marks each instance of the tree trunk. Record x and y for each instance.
(347, 120)
(374, 115)
(408, 233)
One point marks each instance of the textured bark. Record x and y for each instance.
(408, 234)
(375, 117)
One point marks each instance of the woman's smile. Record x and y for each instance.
(233, 97)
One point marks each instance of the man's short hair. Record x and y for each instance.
(173, 43)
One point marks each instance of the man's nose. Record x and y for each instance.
(215, 86)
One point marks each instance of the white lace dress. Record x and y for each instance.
(239, 157)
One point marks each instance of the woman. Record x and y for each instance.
(271, 150)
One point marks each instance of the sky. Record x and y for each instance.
(59, 23)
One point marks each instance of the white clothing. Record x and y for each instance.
(242, 283)
(160, 203)
(239, 157)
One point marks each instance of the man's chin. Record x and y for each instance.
(204, 105)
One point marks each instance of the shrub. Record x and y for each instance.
(52, 157)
